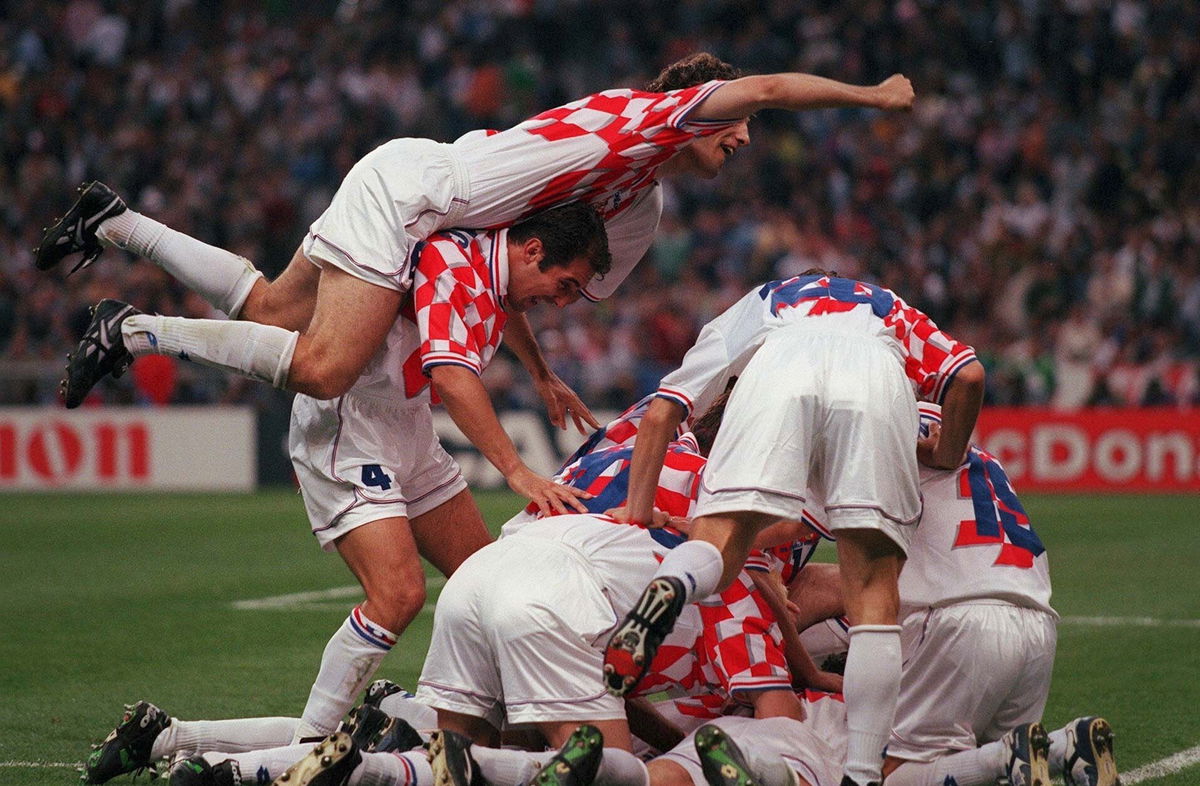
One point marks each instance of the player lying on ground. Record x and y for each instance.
(826, 401)
(314, 328)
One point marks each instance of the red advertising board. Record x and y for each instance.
(1106, 450)
(116, 448)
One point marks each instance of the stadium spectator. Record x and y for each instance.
(1048, 136)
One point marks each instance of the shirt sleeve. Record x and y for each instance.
(452, 305)
(724, 347)
(630, 234)
(932, 357)
(741, 641)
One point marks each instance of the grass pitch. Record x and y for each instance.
(112, 598)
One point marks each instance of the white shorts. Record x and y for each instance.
(798, 745)
(360, 460)
(972, 672)
(394, 197)
(822, 409)
(520, 627)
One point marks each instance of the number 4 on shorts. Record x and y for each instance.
(373, 475)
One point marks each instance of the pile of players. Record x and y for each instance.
(669, 554)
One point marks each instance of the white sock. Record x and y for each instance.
(871, 688)
(508, 767)
(977, 767)
(261, 352)
(392, 769)
(697, 563)
(234, 735)
(1058, 751)
(347, 665)
(222, 278)
(418, 715)
(263, 766)
(621, 768)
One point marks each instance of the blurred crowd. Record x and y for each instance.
(1042, 202)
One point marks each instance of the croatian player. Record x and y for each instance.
(315, 327)
(978, 644)
(826, 401)
(378, 486)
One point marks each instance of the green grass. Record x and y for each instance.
(111, 598)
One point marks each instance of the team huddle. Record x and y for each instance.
(651, 617)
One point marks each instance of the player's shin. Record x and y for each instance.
(257, 351)
(621, 768)
(698, 564)
(347, 665)
(235, 735)
(392, 769)
(871, 689)
(222, 278)
(978, 767)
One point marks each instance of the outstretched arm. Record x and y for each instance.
(559, 397)
(471, 409)
(743, 97)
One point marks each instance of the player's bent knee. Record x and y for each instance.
(395, 606)
(319, 374)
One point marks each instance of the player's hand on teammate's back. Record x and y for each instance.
(896, 92)
(560, 400)
(658, 518)
(550, 497)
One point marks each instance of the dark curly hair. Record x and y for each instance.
(567, 232)
(695, 69)
(705, 427)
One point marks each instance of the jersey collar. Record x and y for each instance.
(495, 253)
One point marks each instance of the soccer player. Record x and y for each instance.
(826, 400)
(979, 636)
(377, 485)
(978, 646)
(315, 327)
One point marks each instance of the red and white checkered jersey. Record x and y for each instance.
(929, 356)
(733, 646)
(621, 431)
(975, 541)
(604, 149)
(604, 473)
(454, 315)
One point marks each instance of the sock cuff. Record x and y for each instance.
(874, 629)
(280, 377)
(241, 290)
(371, 632)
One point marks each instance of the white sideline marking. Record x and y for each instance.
(40, 764)
(1163, 767)
(1132, 622)
(320, 600)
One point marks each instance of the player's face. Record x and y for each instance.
(707, 155)
(528, 286)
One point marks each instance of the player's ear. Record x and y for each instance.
(535, 252)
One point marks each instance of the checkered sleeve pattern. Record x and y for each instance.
(932, 357)
(742, 641)
(629, 134)
(458, 316)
